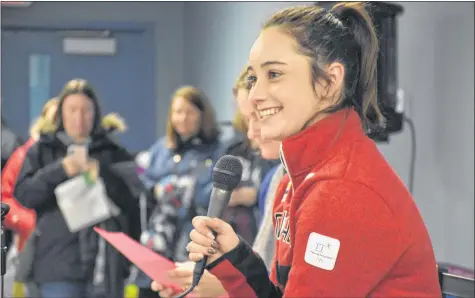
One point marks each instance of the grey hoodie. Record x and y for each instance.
(264, 244)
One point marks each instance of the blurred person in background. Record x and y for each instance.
(178, 177)
(10, 142)
(209, 285)
(269, 150)
(21, 220)
(77, 264)
(242, 208)
(142, 159)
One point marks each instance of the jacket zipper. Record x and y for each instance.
(284, 163)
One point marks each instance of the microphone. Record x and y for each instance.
(226, 176)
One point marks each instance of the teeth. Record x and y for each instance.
(268, 112)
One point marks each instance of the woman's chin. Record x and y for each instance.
(270, 135)
(270, 154)
(184, 134)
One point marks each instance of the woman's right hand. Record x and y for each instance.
(204, 243)
(71, 166)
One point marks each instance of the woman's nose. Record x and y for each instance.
(258, 93)
(182, 118)
(254, 131)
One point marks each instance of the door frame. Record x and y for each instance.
(141, 27)
(118, 26)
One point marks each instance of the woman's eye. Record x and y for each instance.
(251, 79)
(273, 75)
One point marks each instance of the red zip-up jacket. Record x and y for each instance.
(345, 224)
(20, 219)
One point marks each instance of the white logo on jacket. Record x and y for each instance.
(322, 251)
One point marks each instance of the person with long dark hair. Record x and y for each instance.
(345, 224)
(77, 263)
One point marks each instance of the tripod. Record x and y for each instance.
(3, 248)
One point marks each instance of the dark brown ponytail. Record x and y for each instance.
(356, 18)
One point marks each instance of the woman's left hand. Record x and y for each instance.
(209, 285)
(163, 291)
(204, 243)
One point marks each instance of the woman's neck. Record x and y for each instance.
(80, 139)
(186, 138)
(316, 118)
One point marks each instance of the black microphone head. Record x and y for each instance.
(227, 173)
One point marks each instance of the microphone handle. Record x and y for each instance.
(218, 203)
(201, 265)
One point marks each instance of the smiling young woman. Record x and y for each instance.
(345, 224)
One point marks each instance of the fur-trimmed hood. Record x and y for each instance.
(110, 123)
(104, 135)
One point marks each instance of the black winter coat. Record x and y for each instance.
(61, 255)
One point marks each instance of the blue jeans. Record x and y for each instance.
(64, 289)
(32, 289)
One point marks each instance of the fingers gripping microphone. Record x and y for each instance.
(226, 177)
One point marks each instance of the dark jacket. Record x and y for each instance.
(243, 218)
(10, 142)
(61, 255)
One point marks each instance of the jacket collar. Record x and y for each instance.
(302, 152)
(102, 139)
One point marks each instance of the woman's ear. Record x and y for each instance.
(336, 74)
(329, 90)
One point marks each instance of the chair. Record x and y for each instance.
(454, 284)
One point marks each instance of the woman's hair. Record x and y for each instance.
(40, 122)
(344, 34)
(241, 82)
(240, 123)
(209, 130)
(79, 86)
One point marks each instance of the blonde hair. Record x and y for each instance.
(241, 82)
(240, 123)
(41, 121)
